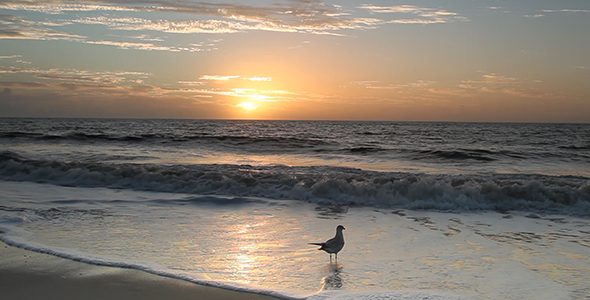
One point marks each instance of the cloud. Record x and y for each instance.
(132, 45)
(85, 84)
(24, 84)
(236, 24)
(493, 78)
(311, 17)
(77, 86)
(494, 83)
(99, 84)
(77, 75)
(59, 7)
(218, 77)
(252, 94)
(450, 92)
(372, 85)
(567, 10)
(192, 82)
(534, 16)
(145, 37)
(9, 56)
(392, 9)
(425, 15)
(256, 78)
(51, 104)
(14, 27)
(182, 26)
(230, 77)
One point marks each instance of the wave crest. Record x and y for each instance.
(319, 184)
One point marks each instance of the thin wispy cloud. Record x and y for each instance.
(191, 82)
(425, 15)
(10, 56)
(495, 83)
(550, 11)
(256, 78)
(139, 46)
(252, 94)
(218, 77)
(15, 27)
(493, 78)
(77, 75)
(375, 85)
(60, 7)
(183, 26)
(24, 84)
(226, 78)
(567, 10)
(145, 37)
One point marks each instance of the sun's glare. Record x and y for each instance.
(248, 105)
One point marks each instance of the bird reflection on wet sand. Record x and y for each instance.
(333, 279)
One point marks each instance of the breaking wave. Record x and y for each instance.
(327, 185)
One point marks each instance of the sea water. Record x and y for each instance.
(432, 210)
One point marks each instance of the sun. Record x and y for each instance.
(248, 105)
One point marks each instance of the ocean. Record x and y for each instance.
(431, 210)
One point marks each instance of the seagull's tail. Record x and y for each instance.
(319, 244)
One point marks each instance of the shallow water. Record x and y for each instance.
(261, 244)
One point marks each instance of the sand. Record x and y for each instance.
(30, 275)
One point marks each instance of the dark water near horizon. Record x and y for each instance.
(440, 166)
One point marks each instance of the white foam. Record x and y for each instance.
(322, 184)
(384, 295)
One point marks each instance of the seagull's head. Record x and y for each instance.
(340, 227)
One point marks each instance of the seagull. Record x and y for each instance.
(333, 245)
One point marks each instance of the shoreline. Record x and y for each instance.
(27, 274)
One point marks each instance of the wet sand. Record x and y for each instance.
(29, 275)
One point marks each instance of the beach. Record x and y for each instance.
(432, 210)
(31, 275)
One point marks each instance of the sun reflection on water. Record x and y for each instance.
(250, 252)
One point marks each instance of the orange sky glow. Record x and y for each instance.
(488, 61)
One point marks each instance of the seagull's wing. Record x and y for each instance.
(331, 242)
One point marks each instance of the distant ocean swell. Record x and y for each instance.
(309, 145)
(158, 138)
(324, 185)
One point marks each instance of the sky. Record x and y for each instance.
(423, 60)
